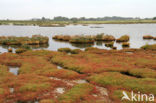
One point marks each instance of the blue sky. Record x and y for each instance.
(26, 9)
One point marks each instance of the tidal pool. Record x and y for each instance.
(14, 70)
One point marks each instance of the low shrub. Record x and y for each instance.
(30, 87)
(143, 72)
(79, 92)
(103, 37)
(124, 38)
(1, 91)
(108, 38)
(67, 50)
(91, 48)
(75, 51)
(47, 101)
(99, 37)
(60, 73)
(10, 59)
(20, 50)
(110, 44)
(125, 44)
(145, 63)
(34, 40)
(82, 40)
(39, 53)
(149, 47)
(148, 37)
(62, 37)
(117, 95)
(34, 87)
(118, 80)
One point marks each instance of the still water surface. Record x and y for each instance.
(135, 31)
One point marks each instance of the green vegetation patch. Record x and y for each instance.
(47, 101)
(149, 47)
(66, 50)
(118, 80)
(1, 91)
(125, 44)
(82, 39)
(62, 37)
(110, 44)
(34, 40)
(79, 93)
(103, 37)
(34, 87)
(143, 72)
(20, 50)
(124, 38)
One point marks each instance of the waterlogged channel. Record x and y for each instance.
(135, 31)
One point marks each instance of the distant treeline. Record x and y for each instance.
(60, 18)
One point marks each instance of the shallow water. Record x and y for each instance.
(135, 31)
(59, 67)
(11, 90)
(60, 90)
(14, 70)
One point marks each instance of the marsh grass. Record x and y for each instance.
(149, 47)
(34, 40)
(148, 37)
(124, 38)
(143, 72)
(82, 40)
(62, 37)
(80, 91)
(118, 80)
(66, 50)
(20, 50)
(39, 77)
(47, 101)
(125, 44)
(110, 44)
(103, 37)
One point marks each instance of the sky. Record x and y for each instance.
(27, 9)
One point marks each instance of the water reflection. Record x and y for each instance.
(4, 48)
(82, 45)
(29, 46)
(99, 43)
